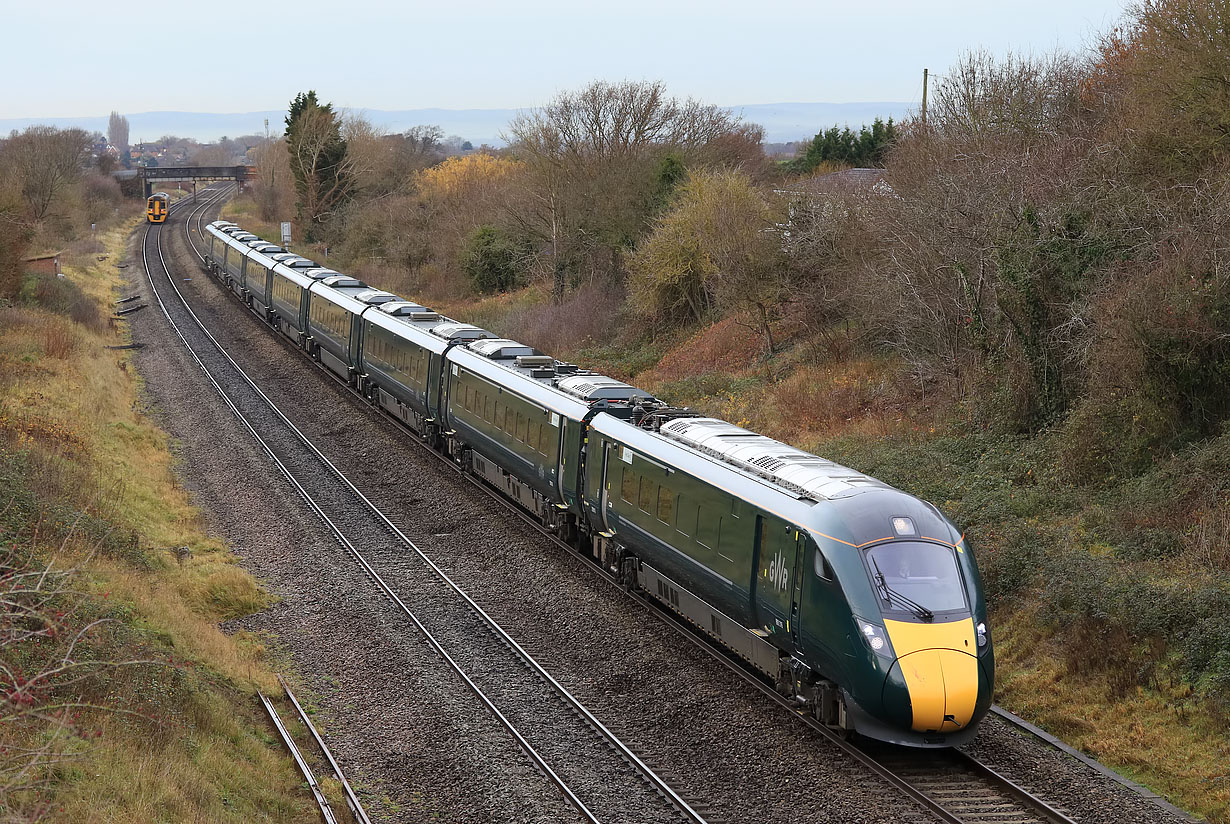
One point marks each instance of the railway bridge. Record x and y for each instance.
(191, 174)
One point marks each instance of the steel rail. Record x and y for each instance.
(352, 800)
(325, 809)
(645, 771)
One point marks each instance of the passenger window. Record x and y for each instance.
(687, 517)
(499, 415)
(487, 409)
(627, 489)
(708, 527)
(645, 499)
(666, 505)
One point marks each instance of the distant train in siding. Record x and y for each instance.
(859, 600)
(156, 206)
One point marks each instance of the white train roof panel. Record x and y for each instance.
(803, 473)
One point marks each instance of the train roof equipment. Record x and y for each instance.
(590, 388)
(295, 262)
(320, 273)
(376, 297)
(502, 349)
(452, 330)
(802, 473)
(402, 308)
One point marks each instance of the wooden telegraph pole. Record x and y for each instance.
(924, 102)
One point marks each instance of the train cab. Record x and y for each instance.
(156, 207)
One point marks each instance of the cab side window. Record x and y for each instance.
(823, 570)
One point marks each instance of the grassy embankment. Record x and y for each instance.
(165, 727)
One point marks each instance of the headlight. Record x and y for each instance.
(981, 632)
(875, 639)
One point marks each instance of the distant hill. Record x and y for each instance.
(782, 121)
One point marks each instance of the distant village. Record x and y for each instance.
(174, 151)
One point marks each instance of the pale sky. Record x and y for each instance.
(79, 58)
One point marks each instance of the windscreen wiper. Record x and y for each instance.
(892, 596)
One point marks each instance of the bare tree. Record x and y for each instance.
(984, 95)
(596, 156)
(44, 160)
(424, 140)
(367, 153)
(117, 132)
(274, 185)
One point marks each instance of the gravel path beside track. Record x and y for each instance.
(400, 724)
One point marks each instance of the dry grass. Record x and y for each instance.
(719, 371)
(60, 339)
(1207, 540)
(72, 408)
(1147, 735)
(725, 346)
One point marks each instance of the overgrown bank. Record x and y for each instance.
(122, 699)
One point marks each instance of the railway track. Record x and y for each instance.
(950, 784)
(595, 772)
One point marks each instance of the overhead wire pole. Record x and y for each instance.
(924, 100)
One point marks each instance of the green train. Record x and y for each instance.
(859, 600)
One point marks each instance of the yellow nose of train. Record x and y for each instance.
(939, 664)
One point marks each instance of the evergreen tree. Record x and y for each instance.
(318, 161)
(866, 148)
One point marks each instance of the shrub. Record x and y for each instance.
(586, 317)
(1114, 437)
(62, 296)
(494, 260)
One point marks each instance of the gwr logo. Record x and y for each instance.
(777, 574)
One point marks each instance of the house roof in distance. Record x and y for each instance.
(847, 181)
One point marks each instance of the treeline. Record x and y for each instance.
(566, 202)
(868, 146)
(51, 190)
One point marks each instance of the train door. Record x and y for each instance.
(604, 484)
(778, 548)
(568, 485)
(356, 342)
(799, 540)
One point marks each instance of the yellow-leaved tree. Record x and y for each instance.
(717, 249)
